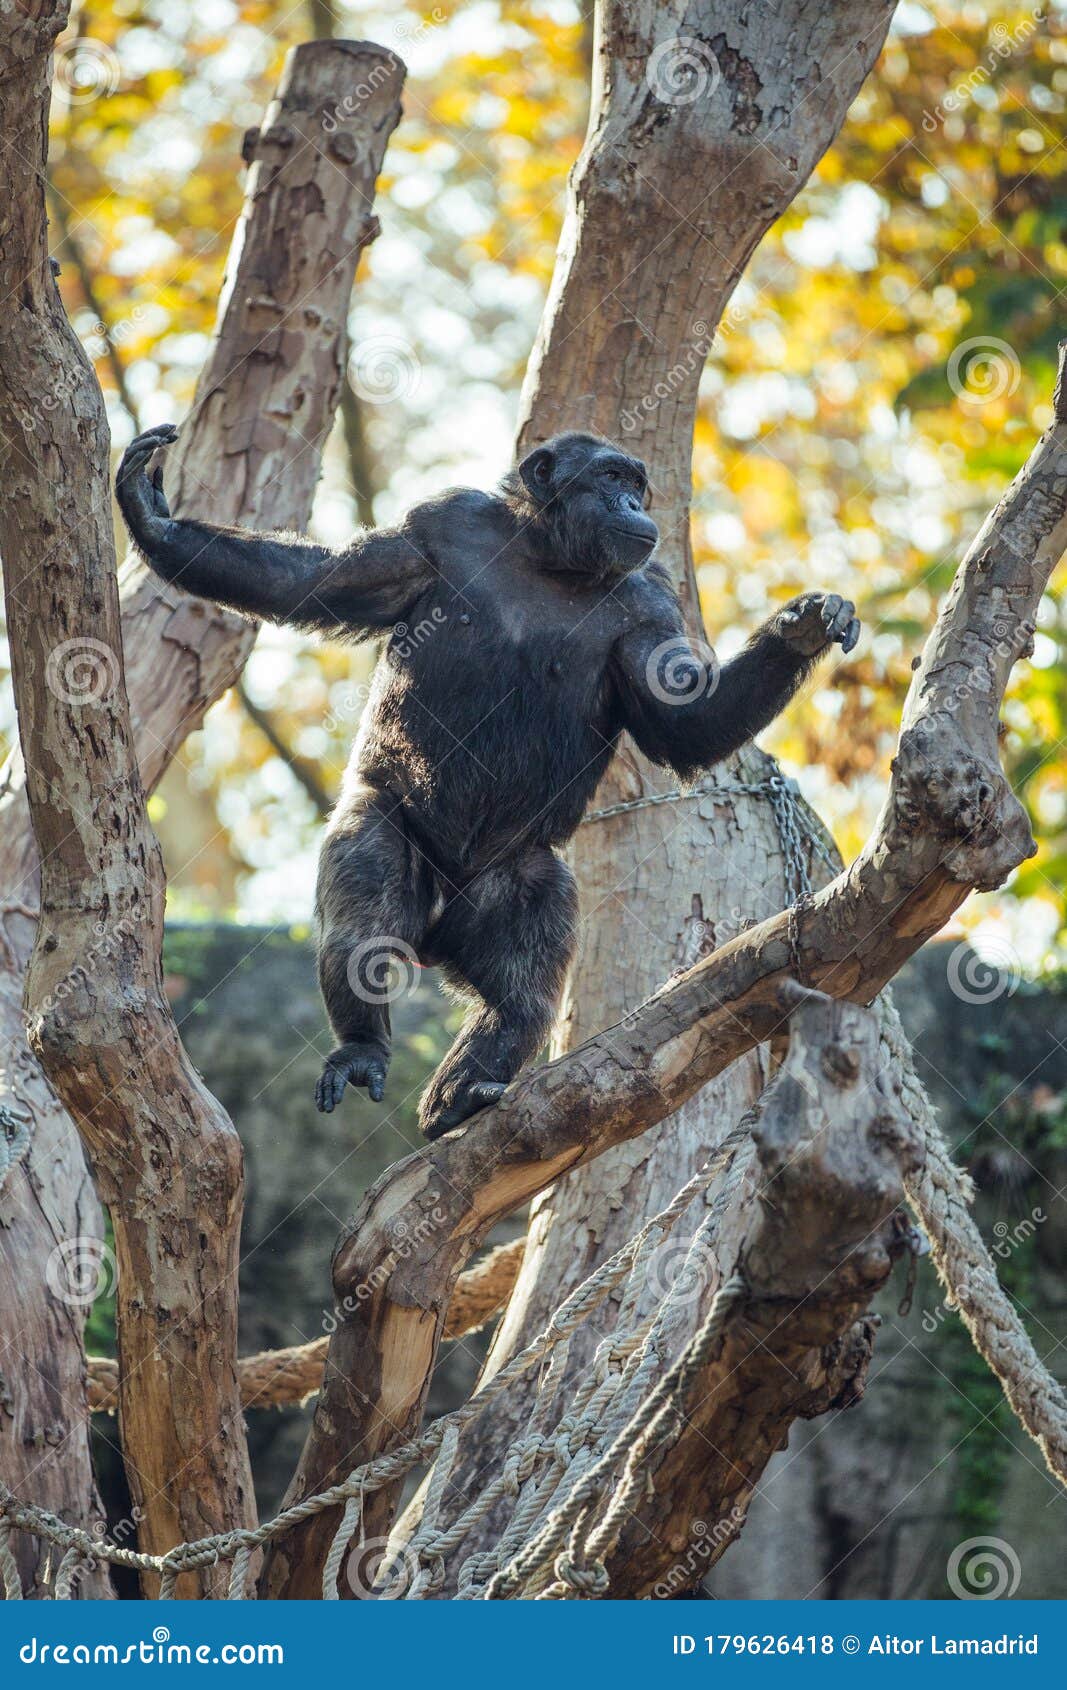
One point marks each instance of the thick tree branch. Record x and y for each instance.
(264, 407)
(950, 823)
(707, 120)
(165, 1155)
(276, 1377)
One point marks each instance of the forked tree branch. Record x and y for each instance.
(165, 1155)
(951, 823)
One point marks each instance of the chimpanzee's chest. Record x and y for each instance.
(534, 624)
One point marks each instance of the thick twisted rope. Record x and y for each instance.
(382, 1470)
(940, 1194)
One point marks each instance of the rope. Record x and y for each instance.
(383, 1469)
(940, 1194)
(568, 1491)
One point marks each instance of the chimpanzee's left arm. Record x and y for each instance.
(686, 712)
(361, 590)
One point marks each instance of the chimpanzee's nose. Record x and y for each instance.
(630, 502)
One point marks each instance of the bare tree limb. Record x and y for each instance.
(71, 249)
(276, 1377)
(264, 406)
(302, 771)
(950, 823)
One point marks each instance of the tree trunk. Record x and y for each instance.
(950, 823)
(265, 404)
(707, 120)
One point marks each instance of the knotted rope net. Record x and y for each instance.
(567, 1486)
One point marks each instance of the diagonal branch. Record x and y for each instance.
(950, 823)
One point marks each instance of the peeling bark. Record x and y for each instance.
(848, 940)
(669, 201)
(264, 406)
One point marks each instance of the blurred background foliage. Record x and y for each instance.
(882, 371)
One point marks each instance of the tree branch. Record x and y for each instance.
(950, 823)
(302, 771)
(277, 1377)
(264, 406)
(71, 249)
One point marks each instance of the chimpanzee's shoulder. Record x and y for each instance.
(458, 504)
(647, 594)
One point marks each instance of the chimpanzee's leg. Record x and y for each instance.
(373, 904)
(509, 937)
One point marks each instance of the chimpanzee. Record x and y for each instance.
(523, 631)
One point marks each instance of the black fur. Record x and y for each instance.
(525, 631)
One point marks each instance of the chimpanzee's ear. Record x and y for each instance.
(537, 472)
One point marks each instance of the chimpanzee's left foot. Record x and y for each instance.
(439, 1114)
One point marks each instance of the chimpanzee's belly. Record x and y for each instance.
(489, 754)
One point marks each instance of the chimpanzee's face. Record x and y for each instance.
(592, 501)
